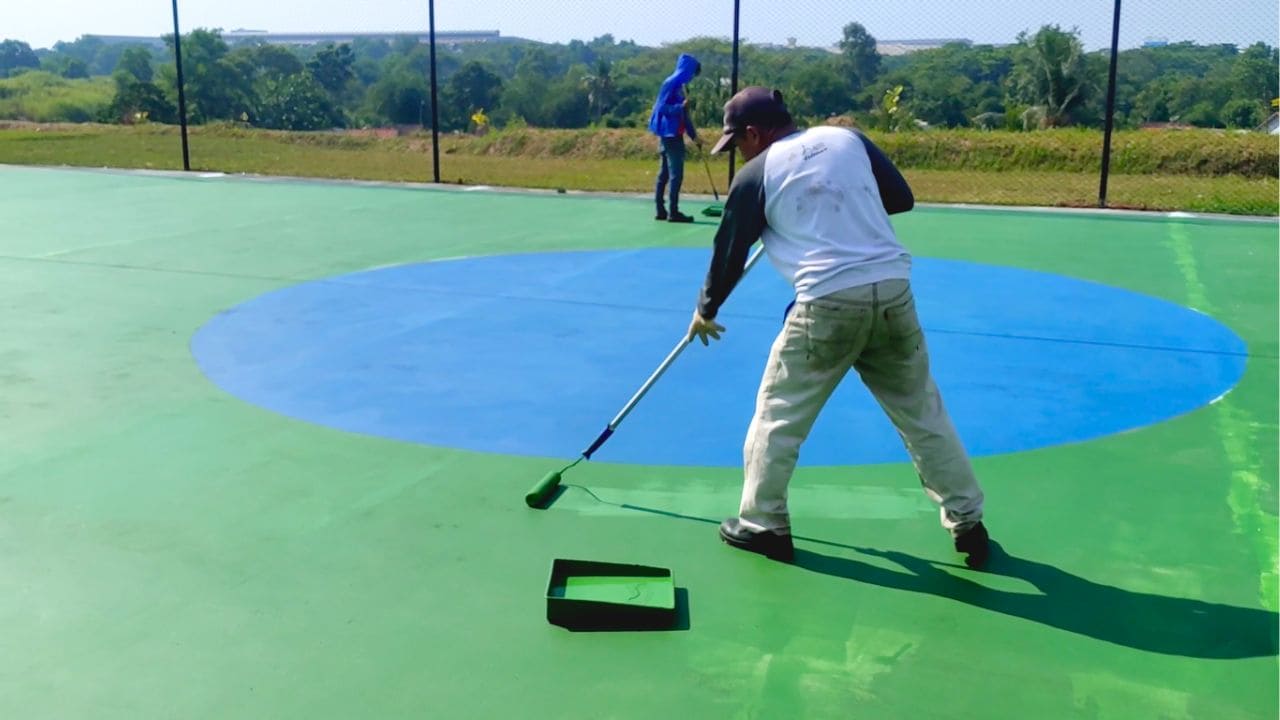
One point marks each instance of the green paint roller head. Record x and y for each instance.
(544, 490)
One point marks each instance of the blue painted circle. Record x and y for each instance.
(534, 354)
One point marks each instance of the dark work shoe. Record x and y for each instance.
(679, 217)
(975, 544)
(770, 544)
(661, 214)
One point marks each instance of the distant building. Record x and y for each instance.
(906, 47)
(145, 40)
(456, 37)
(1272, 125)
(1155, 42)
(791, 44)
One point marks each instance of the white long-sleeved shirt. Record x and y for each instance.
(819, 200)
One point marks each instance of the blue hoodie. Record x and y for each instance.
(668, 117)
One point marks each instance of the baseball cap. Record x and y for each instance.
(753, 105)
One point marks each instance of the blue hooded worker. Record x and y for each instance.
(670, 122)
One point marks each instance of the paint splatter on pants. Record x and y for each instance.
(874, 330)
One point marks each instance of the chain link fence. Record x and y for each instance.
(911, 73)
(1169, 87)
(1000, 102)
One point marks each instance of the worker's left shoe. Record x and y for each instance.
(774, 546)
(679, 217)
(975, 544)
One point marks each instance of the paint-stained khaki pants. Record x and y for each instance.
(872, 329)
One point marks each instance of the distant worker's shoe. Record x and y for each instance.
(772, 545)
(679, 217)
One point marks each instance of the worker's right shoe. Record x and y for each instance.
(661, 214)
(770, 544)
(679, 217)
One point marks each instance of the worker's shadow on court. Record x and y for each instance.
(1155, 623)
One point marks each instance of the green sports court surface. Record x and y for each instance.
(265, 446)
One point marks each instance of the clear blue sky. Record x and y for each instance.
(651, 22)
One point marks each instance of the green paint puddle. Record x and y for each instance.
(654, 592)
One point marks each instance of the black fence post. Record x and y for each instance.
(182, 93)
(1111, 108)
(733, 87)
(435, 110)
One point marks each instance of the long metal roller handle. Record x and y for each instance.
(671, 358)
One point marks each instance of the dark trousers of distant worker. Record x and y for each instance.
(671, 171)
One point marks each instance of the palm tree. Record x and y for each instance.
(601, 92)
(1051, 74)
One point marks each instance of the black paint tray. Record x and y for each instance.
(585, 594)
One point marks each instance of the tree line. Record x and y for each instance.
(1043, 79)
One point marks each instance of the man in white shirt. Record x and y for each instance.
(819, 200)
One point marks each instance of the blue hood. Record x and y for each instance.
(686, 67)
(667, 119)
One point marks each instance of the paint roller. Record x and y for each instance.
(540, 495)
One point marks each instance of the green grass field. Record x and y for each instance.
(46, 97)
(462, 161)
